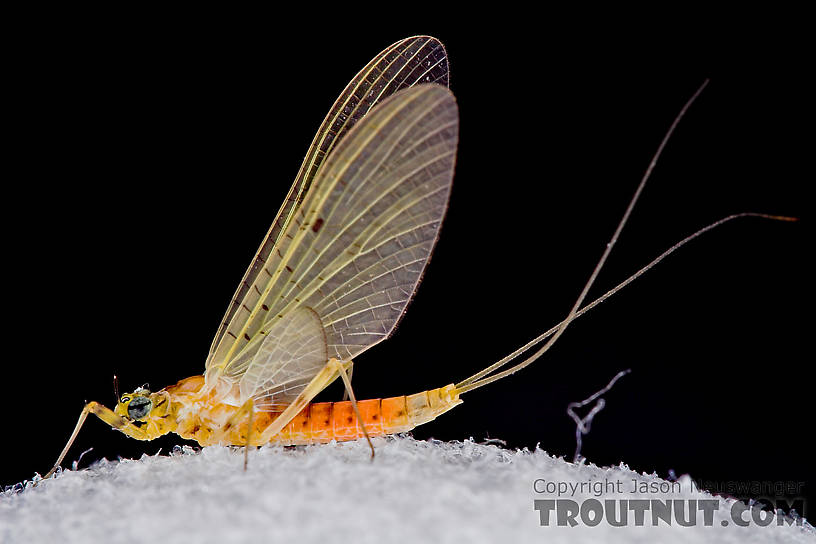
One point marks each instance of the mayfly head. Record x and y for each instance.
(135, 406)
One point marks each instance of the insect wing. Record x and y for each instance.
(365, 232)
(419, 59)
(293, 351)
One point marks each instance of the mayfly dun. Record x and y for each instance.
(334, 275)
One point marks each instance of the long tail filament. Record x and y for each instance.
(484, 377)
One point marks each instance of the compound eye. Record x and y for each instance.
(139, 407)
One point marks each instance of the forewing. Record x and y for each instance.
(361, 239)
(419, 59)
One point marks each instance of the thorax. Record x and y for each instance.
(195, 412)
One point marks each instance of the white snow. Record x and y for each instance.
(413, 491)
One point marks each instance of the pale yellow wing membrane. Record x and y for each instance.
(419, 59)
(361, 239)
(293, 351)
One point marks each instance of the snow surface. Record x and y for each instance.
(413, 491)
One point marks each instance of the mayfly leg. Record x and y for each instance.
(330, 372)
(248, 410)
(347, 382)
(250, 423)
(106, 415)
(350, 372)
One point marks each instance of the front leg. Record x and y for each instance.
(106, 415)
(222, 435)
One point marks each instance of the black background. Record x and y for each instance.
(149, 160)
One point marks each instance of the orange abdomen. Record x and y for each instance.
(322, 422)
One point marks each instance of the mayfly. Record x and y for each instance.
(334, 275)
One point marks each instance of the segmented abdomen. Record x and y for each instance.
(326, 421)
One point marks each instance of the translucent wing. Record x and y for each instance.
(359, 243)
(418, 59)
(293, 351)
